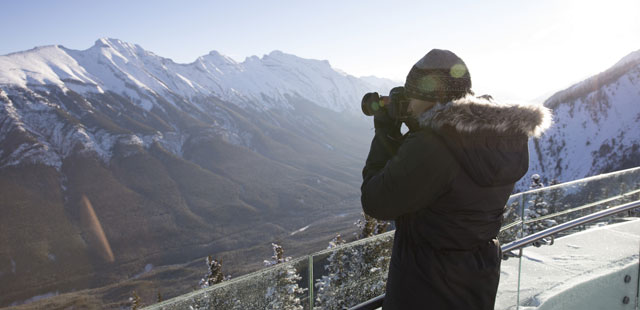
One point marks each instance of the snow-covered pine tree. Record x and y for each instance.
(510, 217)
(382, 227)
(135, 301)
(356, 273)
(328, 287)
(370, 226)
(536, 182)
(278, 256)
(374, 264)
(214, 273)
(285, 294)
(537, 208)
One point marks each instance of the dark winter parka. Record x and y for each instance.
(446, 186)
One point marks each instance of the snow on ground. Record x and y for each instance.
(300, 230)
(585, 270)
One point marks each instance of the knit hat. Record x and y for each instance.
(440, 76)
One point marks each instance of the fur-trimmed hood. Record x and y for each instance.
(472, 114)
(489, 140)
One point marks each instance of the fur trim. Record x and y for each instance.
(471, 114)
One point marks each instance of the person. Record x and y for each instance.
(445, 184)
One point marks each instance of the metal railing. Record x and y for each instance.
(371, 304)
(377, 302)
(518, 244)
(348, 274)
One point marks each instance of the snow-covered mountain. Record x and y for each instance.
(150, 82)
(128, 69)
(177, 161)
(596, 126)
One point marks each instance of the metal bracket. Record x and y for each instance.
(507, 255)
(543, 241)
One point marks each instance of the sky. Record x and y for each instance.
(515, 50)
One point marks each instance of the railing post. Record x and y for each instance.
(310, 282)
(638, 282)
(522, 205)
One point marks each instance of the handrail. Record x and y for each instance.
(376, 302)
(520, 243)
(371, 304)
(589, 205)
(552, 215)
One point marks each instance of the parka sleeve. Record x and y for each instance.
(402, 182)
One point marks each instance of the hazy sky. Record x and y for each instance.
(516, 50)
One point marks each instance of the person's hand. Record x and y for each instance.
(384, 123)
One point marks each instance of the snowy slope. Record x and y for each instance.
(596, 126)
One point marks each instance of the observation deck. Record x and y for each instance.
(574, 245)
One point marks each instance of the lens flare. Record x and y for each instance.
(97, 233)
(375, 106)
(458, 70)
(428, 84)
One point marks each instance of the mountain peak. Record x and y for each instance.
(112, 43)
(216, 58)
(102, 42)
(278, 53)
(38, 49)
(633, 57)
(280, 56)
(121, 47)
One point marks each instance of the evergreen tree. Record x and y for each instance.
(536, 182)
(135, 301)
(370, 226)
(328, 287)
(278, 256)
(537, 208)
(355, 273)
(510, 218)
(214, 274)
(285, 295)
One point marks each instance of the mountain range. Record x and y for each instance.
(114, 160)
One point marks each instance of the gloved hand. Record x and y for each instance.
(386, 125)
(382, 120)
(388, 137)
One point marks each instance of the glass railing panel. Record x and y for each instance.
(507, 295)
(593, 269)
(281, 286)
(350, 274)
(512, 219)
(550, 206)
